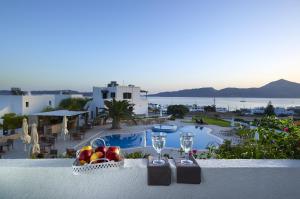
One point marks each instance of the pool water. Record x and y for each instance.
(202, 138)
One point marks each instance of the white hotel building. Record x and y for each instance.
(30, 104)
(113, 90)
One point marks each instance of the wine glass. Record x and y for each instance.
(186, 142)
(158, 143)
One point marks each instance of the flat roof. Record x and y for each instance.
(60, 113)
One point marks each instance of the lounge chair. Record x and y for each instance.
(53, 153)
(200, 122)
(9, 142)
(40, 156)
(71, 153)
(1, 148)
(77, 136)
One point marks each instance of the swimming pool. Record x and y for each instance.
(202, 138)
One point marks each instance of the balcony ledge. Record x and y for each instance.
(24, 178)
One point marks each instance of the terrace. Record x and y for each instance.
(61, 143)
(53, 178)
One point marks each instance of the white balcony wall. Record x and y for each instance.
(232, 179)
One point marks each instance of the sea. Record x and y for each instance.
(229, 103)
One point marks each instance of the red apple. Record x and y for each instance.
(114, 149)
(101, 149)
(113, 156)
(84, 156)
(113, 153)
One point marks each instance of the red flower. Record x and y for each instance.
(286, 129)
(193, 152)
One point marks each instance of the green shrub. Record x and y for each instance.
(172, 118)
(278, 139)
(12, 121)
(210, 108)
(136, 155)
(178, 111)
(47, 109)
(73, 104)
(212, 121)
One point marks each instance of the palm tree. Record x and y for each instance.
(118, 110)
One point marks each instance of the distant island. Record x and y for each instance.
(48, 92)
(277, 89)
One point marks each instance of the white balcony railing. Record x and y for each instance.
(234, 179)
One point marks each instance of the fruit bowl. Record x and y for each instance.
(91, 158)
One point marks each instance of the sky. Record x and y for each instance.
(159, 45)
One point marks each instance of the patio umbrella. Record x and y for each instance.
(35, 139)
(256, 136)
(232, 122)
(25, 137)
(64, 125)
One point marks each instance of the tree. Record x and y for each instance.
(177, 111)
(12, 121)
(118, 110)
(17, 91)
(73, 104)
(47, 109)
(269, 110)
(210, 108)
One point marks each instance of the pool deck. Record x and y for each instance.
(99, 131)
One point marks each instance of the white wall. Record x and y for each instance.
(17, 103)
(232, 179)
(10, 103)
(141, 107)
(36, 103)
(97, 95)
(141, 104)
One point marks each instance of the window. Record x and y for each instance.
(126, 95)
(27, 104)
(113, 95)
(50, 103)
(104, 94)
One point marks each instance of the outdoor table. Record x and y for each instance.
(48, 137)
(76, 136)
(44, 145)
(1, 148)
(44, 153)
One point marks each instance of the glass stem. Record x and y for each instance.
(187, 156)
(159, 156)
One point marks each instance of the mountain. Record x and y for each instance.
(277, 89)
(199, 92)
(49, 92)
